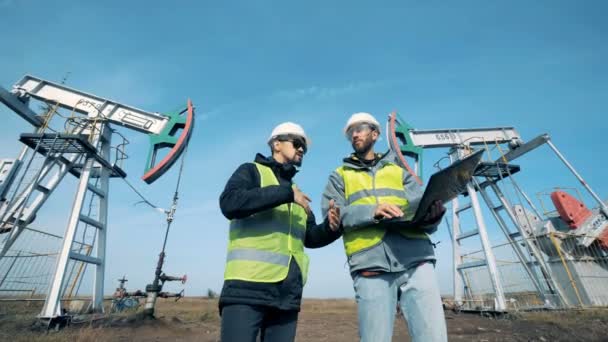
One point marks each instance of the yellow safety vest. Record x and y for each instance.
(262, 245)
(363, 188)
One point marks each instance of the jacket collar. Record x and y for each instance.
(380, 160)
(285, 171)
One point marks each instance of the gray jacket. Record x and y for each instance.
(396, 252)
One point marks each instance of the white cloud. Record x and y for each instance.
(322, 93)
(312, 92)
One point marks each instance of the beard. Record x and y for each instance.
(364, 147)
(295, 160)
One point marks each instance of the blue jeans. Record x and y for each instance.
(417, 292)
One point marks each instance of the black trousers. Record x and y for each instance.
(243, 323)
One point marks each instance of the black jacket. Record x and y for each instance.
(243, 197)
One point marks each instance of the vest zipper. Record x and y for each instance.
(374, 185)
(289, 236)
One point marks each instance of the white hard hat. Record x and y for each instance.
(288, 128)
(359, 118)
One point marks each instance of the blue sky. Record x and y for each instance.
(538, 66)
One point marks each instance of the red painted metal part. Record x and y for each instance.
(175, 152)
(603, 239)
(395, 143)
(573, 212)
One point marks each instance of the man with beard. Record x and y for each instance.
(271, 223)
(389, 266)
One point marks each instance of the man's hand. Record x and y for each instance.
(436, 211)
(387, 211)
(333, 215)
(300, 198)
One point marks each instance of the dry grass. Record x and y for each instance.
(336, 306)
(197, 319)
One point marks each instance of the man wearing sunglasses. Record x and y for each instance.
(271, 223)
(389, 266)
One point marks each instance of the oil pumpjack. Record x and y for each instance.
(561, 254)
(83, 148)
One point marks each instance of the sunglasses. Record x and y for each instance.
(358, 129)
(297, 144)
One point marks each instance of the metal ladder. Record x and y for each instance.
(52, 310)
(531, 256)
(484, 179)
(490, 261)
(76, 274)
(23, 206)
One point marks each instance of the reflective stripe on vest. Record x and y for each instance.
(363, 188)
(262, 245)
(257, 255)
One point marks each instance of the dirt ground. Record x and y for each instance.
(196, 319)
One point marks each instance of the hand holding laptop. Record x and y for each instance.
(442, 187)
(435, 212)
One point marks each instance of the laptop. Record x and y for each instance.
(444, 185)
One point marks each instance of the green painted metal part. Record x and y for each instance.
(165, 138)
(406, 145)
